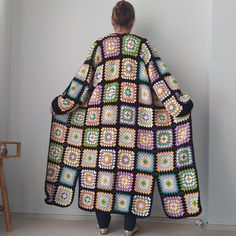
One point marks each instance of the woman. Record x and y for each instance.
(121, 124)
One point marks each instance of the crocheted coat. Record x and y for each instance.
(122, 125)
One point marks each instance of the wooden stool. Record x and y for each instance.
(5, 207)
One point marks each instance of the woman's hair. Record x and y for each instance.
(123, 13)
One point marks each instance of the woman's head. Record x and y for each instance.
(123, 16)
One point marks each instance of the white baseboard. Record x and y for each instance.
(200, 221)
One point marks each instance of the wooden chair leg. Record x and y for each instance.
(5, 207)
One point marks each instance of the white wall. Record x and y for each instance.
(222, 157)
(50, 41)
(5, 21)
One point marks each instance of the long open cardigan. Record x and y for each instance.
(120, 125)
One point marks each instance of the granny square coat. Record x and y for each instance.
(122, 125)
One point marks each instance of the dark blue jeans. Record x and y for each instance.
(104, 219)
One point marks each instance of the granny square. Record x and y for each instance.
(110, 93)
(72, 156)
(165, 161)
(111, 47)
(130, 45)
(112, 69)
(75, 136)
(89, 158)
(125, 159)
(129, 69)
(127, 137)
(168, 183)
(145, 117)
(128, 92)
(145, 162)
(108, 137)
(93, 116)
(109, 115)
(107, 158)
(145, 139)
(127, 115)
(164, 138)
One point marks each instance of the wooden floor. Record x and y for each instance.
(25, 226)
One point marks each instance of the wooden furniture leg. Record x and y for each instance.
(5, 207)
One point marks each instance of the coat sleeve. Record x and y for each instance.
(79, 88)
(164, 84)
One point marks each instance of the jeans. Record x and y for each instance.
(104, 219)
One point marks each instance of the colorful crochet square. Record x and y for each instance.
(145, 117)
(141, 205)
(111, 47)
(168, 183)
(124, 181)
(98, 75)
(105, 180)
(65, 104)
(127, 115)
(129, 69)
(184, 157)
(52, 172)
(145, 95)
(164, 138)
(107, 158)
(192, 202)
(153, 73)
(97, 56)
(145, 139)
(109, 115)
(125, 159)
(72, 157)
(145, 53)
(143, 183)
(74, 89)
(78, 117)
(89, 158)
(127, 137)
(75, 136)
(82, 73)
(93, 116)
(122, 202)
(172, 105)
(63, 196)
(188, 179)
(86, 199)
(173, 206)
(91, 137)
(165, 161)
(130, 45)
(88, 178)
(112, 69)
(182, 133)
(55, 152)
(58, 132)
(104, 201)
(64, 118)
(111, 92)
(143, 74)
(108, 137)
(68, 176)
(50, 191)
(128, 92)
(145, 162)
(162, 67)
(161, 90)
(162, 117)
(96, 96)
(171, 82)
